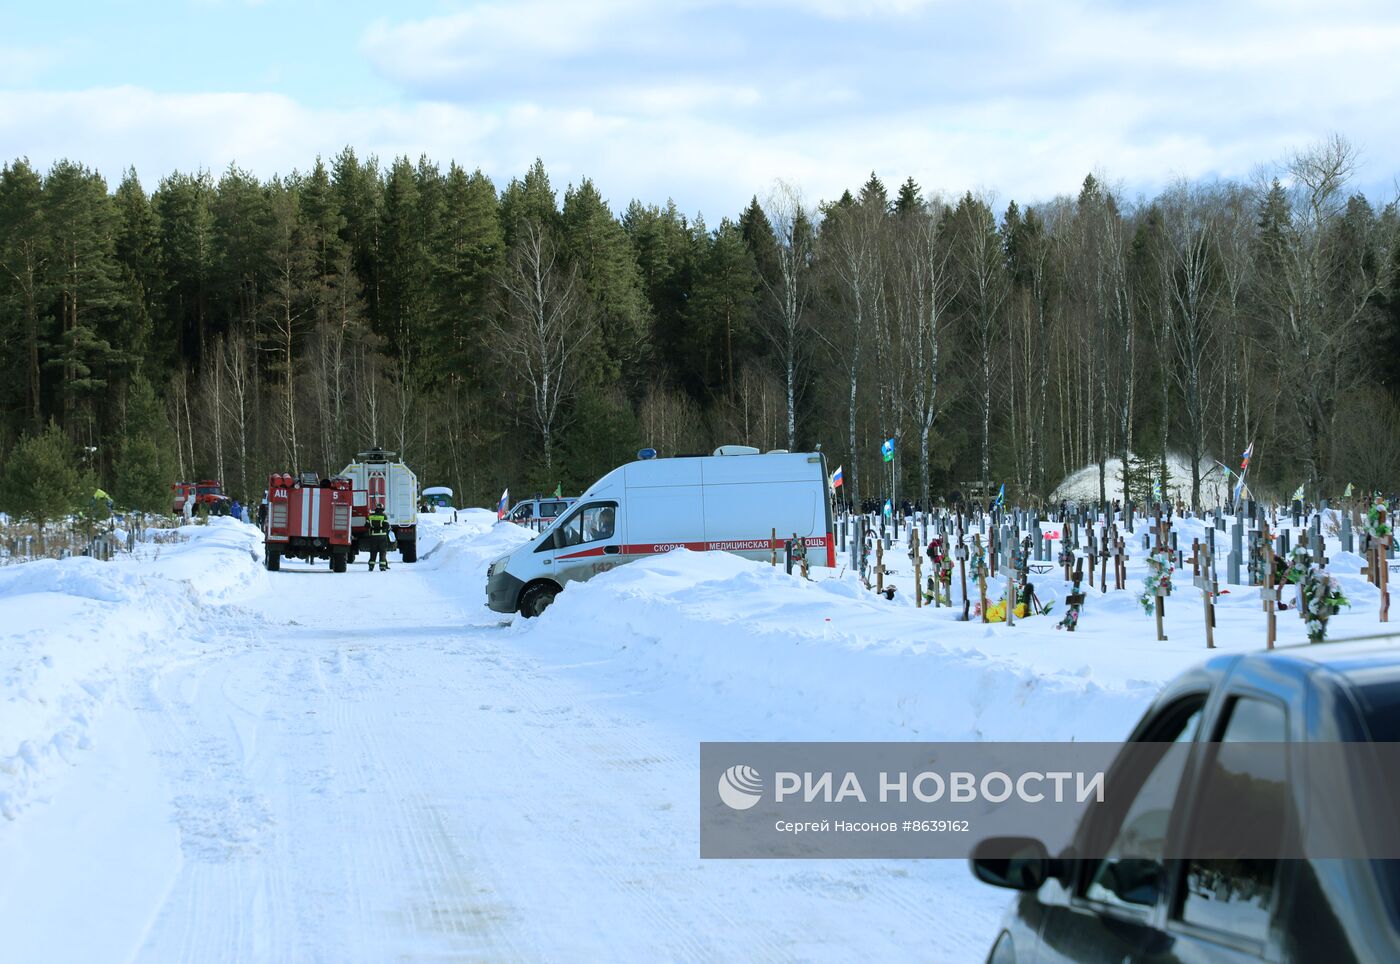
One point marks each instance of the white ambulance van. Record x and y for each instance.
(732, 501)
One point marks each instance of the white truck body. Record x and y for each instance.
(394, 482)
(377, 477)
(730, 503)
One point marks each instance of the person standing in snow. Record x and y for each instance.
(377, 526)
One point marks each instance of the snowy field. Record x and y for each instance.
(202, 761)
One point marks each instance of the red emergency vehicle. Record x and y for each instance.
(308, 517)
(210, 492)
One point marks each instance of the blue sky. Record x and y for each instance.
(705, 101)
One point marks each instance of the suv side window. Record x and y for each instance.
(1242, 806)
(1133, 874)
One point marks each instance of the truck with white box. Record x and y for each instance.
(738, 500)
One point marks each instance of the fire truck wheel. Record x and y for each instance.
(338, 562)
(408, 550)
(274, 560)
(536, 600)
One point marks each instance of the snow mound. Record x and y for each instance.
(472, 542)
(758, 654)
(74, 629)
(1082, 485)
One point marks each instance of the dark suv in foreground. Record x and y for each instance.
(1178, 910)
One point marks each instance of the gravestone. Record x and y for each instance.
(1236, 556)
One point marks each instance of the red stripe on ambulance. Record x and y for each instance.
(724, 545)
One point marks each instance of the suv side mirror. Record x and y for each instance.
(1020, 863)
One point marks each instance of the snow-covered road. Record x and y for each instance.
(370, 767)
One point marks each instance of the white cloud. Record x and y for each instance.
(708, 101)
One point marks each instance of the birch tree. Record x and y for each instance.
(982, 292)
(789, 289)
(1191, 278)
(1325, 259)
(544, 327)
(922, 288)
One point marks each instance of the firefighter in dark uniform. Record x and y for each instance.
(378, 531)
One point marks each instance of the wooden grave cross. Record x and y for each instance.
(1270, 591)
(961, 554)
(1075, 600)
(1205, 579)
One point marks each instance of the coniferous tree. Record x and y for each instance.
(722, 311)
(24, 286)
(80, 223)
(597, 244)
(41, 481)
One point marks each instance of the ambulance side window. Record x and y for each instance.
(599, 522)
(570, 533)
(592, 523)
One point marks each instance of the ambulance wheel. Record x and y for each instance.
(338, 562)
(274, 560)
(536, 600)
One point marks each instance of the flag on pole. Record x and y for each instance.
(1248, 453)
(1156, 490)
(887, 450)
(1001, 495)
(836, 479)
(1298, 494)
(503, 505)
(889, 508)
(559, 490)
(1239, 489)
(1347, 493)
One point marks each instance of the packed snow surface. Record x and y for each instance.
(201, 760)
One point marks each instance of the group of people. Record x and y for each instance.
(203, 510)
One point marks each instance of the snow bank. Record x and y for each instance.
(73, 628)
(763, 655)
(722, 640)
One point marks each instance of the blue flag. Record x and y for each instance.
(1001, 495)
(887, 450)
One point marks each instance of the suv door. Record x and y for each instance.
(1224, 909)
(1112, 912)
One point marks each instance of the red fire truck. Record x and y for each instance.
(308, 517)
(210, 492)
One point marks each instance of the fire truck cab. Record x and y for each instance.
(308, 517)
(209, 492)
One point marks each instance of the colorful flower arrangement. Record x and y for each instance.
(1159, 577)
(1322, 594)
(1376, 526)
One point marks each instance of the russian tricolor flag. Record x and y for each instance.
(836, 478)
(503, 505)
(1244, 464)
